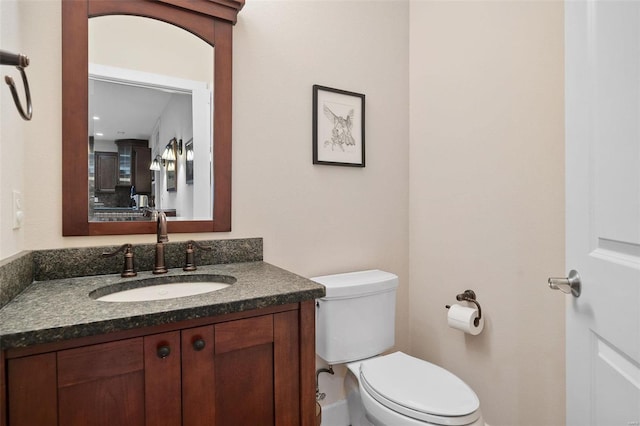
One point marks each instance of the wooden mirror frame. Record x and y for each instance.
(210, 20)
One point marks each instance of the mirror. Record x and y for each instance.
(138, 103)
(210, 21)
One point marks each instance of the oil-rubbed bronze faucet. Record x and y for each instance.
(160, 267)
(127, 270)
(190, 262)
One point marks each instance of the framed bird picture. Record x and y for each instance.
(338, 127)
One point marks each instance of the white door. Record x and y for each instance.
(602, 69)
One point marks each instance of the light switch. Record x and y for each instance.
(18, 213)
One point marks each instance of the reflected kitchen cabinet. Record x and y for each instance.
(140, 165)
(106, 171)
(135, 158)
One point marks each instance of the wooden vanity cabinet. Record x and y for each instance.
(251, 370)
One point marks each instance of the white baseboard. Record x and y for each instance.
(336, 414)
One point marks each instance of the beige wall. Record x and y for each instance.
(468, 96)
(11, 131)
(487, 200)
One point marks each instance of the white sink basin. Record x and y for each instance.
(161, 288)
(162, 291)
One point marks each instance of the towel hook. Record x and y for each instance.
(20, 62)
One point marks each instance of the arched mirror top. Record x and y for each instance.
(209, 20)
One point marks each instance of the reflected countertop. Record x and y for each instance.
(110, 214)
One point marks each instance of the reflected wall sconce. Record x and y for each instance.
(155, 164)
(169, 153)
(180, 147)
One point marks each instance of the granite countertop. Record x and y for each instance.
(49, 311)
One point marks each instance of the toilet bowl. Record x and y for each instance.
(400, 390)
(354, 325)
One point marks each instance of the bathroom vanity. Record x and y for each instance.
(242, 355)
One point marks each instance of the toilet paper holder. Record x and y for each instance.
(469, 296)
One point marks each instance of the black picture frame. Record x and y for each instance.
(171, 176)
(188, 165)
(338, 127)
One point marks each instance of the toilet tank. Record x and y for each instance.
(356, 318)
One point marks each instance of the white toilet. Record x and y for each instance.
(354, 324)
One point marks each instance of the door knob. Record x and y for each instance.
(571, 284)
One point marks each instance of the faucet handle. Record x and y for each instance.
(190, 263)
(127, 270)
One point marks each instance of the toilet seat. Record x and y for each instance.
(419, 390)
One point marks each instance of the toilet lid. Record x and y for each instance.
(419, 389)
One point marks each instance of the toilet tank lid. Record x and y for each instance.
(359, 283)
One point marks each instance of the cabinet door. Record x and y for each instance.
(198, 377)
(125, 155)
(244, 372)
(257, 371)
(141, 173)
(32, 390)
(162, 379)
(106, 173)
(102, 385)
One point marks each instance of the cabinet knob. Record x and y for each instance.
(163, 351)
(199, 344)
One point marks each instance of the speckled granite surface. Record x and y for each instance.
(82, 262)
(45, 294)
(20, 270)
(62, 309)
(16, 273)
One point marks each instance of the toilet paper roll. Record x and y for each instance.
(462, 318)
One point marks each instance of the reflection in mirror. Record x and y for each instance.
(150, 87)
(209, 20)
(189, 162)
